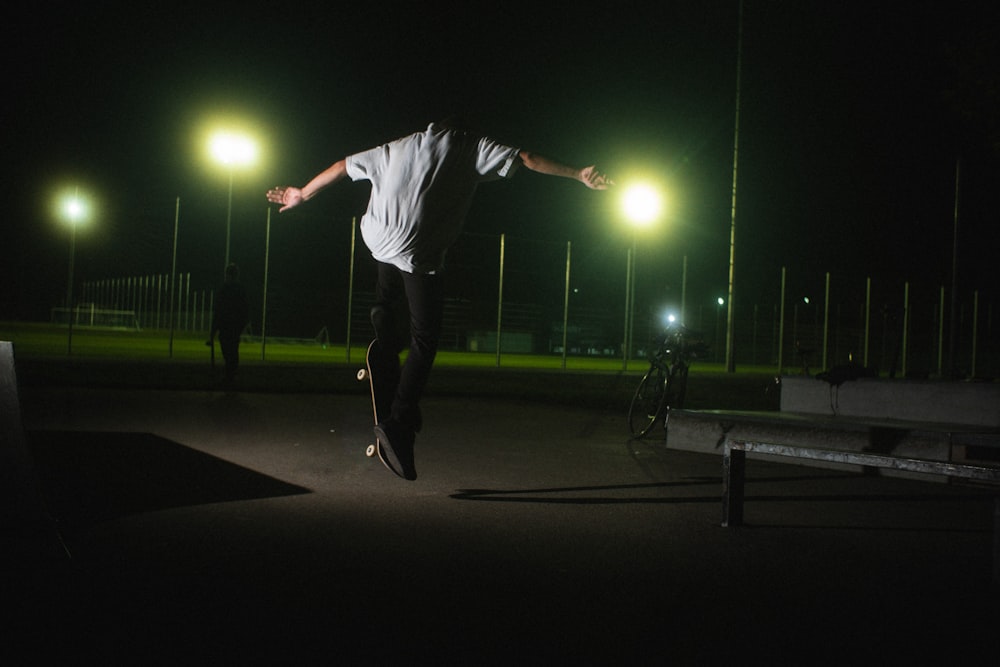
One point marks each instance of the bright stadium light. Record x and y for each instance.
(72, 207)
(642, 204)
(75, 210)
(232, 150)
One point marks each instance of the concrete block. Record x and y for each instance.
(947, 402)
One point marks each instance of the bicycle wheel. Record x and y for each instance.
(647, 403)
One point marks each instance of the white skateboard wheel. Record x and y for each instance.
(370, 451)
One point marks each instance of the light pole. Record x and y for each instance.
(730, 313)
(641, 204)
(263, 308)
(232, 150)
(718, 316)
(73, 209)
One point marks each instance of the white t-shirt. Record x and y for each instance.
(422, 187)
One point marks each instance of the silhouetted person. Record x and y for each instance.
(232, 314)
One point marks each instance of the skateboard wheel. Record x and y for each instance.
(370, 451)
(362, 374)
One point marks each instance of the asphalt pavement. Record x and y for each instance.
(195, 527)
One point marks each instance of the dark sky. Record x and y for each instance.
(852, 117)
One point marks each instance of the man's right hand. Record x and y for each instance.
(288, 196)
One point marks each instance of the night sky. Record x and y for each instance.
(852, 117)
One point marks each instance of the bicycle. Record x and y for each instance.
(664, 385)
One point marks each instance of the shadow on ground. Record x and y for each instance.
(92, 476)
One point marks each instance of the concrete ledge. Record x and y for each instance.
(975, 403)
(706, 431)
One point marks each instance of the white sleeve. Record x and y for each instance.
(366, 164)
(496, 160)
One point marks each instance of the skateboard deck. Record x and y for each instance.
(372, 372)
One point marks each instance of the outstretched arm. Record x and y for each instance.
(589, 176)
(290, 196)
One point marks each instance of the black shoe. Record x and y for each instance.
(395, 448)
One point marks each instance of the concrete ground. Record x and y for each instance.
(194, 527)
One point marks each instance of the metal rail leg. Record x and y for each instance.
(733, 473)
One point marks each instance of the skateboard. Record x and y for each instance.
(372, 361)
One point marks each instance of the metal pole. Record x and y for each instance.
(229, 219)
(774, 333)
(69, 286)
(836, 335)
(730, 342)
(781, 325)
(953, 324)
(631, 310)
(940, 355)
(173, 274)
(906, 324)
(684, 287)
(263, 314)
(500, 299)
(826, 319)
(566, 304)
(975, 327)
(180, 299)
(718, 316)
(628, 306)
(138, 300)
(350, 289)
(868, 315)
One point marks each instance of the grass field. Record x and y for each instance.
(47, 355)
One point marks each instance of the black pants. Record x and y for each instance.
(419, 297)
(229, 344)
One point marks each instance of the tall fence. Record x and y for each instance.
(508, 295)
(153, 301)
